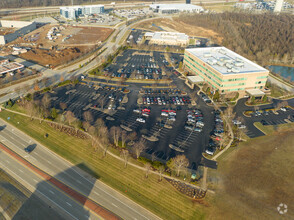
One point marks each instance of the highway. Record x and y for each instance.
(60, 202)
(68, 174)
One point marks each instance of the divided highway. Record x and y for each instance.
(67, 173)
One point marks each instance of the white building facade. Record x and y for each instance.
(73, 12)
(175, 8)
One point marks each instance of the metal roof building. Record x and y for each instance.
(175, 8)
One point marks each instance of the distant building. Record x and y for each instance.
(9, 67)
(225, 70)
(167, 38)
(73, 12)
(10, 30)
(175, 8)
(278, 6)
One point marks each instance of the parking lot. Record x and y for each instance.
(264, 116)
(169, 128)
(141, 65)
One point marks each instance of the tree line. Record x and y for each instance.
(35, 3)
(265, 38)
(129, 144)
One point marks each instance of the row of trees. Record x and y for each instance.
(101, 137)
(263, 37)
(35, 3)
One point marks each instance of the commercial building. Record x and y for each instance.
(225, 70)
(73, 12)
(167, 38)
(11, 30)
(9, 67)
(175, 8)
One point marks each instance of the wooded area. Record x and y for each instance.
(266, 38)
(35, 3)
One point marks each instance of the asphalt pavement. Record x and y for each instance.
(71, 175)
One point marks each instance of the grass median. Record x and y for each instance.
(159, 197)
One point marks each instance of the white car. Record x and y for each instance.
(136, 110)
(236, 122)
(283, 109)
(242, 126)
(164, 114)
(141, 120)
(199, 124)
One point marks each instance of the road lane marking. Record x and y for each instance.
(97, 193)
(114, 205)
(7, 161)
(68, 204)
(51, 192)
(36, 180)
(79, 181)
(21, 171)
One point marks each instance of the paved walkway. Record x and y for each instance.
(113, 155)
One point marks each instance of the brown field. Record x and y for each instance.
(176, 25)
(254, 178)
(57, 51)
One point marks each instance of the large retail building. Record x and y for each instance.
(175, 8)
(225, 70)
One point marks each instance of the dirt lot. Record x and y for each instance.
(255, 178)
(68, 43)
(176, 25)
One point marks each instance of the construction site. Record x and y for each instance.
(53, 45)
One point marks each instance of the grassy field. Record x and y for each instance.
(255, 177)
(268, 129)
(20, 203)
(159, 197)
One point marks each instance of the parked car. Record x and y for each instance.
(142, 120)
(210, 151)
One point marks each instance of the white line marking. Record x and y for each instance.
(97, 193)
(36, 180)
(79, 181)
(51, 192)
(7, 161)
(68, 203)
(21, 171)
(36, 153)
(114, 205)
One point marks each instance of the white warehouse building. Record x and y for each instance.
(167, 38)
(73, 12)
(175, 8)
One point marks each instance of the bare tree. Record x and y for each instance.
(125, 155)
(63, 105)
(124, 138)
(30, 107)
(161, 169)
(92, 130)
(115, 133)
(88, 116)
(99, 123)
(284, 104)
(95, 143)
(222, 141)
(46, 100)
(70, 117)
(132, 136)
(179, 163)
(86, 125)
(139, 147)
(153, 157)
(147, 167)
(104, 143)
